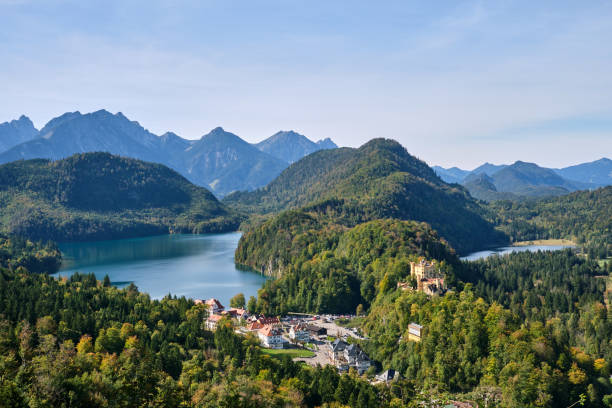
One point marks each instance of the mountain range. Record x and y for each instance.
(219, 161)
(522, 180)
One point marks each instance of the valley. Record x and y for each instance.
(368, 237)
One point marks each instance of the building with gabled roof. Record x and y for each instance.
(214, 306)
(299, 332)
(271, 337)
(388, 376)
(237, 313)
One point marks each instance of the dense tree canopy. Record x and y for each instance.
(379, 180)
(83, 343)
(100, 196)
(584, 217)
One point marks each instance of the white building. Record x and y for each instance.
(271, 337)
(213, 321)
(299, 332)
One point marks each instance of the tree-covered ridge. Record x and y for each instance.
(536, 286)
(17, 252)
(83, 343)
(522, 344)
(378, 180)
(325, 267)
(101, 196)
(584, 217)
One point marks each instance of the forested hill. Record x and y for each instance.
(583, 216)
(378, 180)
(100, 196)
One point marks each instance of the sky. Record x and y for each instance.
(457, 83)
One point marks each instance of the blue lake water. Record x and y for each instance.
(195, 266)
(507, 250)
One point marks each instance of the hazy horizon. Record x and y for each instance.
(457, 83)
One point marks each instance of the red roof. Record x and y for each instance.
(268, 320)
(215, 318)
(255, 326)
(269, 331)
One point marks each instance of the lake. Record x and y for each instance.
(507, 250)
(195, 266)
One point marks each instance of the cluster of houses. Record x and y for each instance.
(346, 356)
(428, 278)
(272, 333)
(216, 312)
(269, 330)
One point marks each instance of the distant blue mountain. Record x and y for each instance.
(598, 172)
(15, 132)
(220, 161)
(225, 163)
(291, 146)
(488, 168)
(452, 175)
(523, 179)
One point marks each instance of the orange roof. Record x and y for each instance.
(269, 331)
(255, 326)
(215, 318)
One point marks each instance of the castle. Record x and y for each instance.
(428, 277)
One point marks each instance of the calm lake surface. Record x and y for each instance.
(195, 266)
(506, 250)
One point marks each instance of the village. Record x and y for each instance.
(321, 338)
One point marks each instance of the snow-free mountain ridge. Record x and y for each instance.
(220, 160)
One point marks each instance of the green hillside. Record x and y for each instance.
(378, 180)
(583, 216)
(325, 267)
(100, 196)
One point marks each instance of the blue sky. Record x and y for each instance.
(457, 83)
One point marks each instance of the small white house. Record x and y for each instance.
(271, 337)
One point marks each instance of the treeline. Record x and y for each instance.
(583, 216)
(97, 196)
(80, 342)
(37, 257)
(537, 285)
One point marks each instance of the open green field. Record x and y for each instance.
(544, 242)
(293, 353)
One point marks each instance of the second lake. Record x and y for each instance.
(507, 250)
(195, 266)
